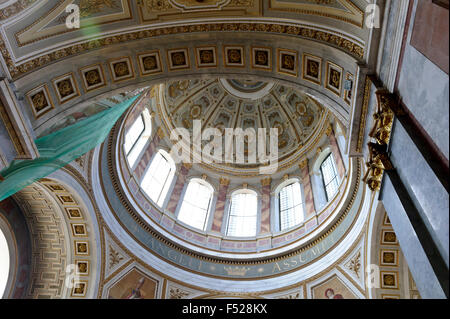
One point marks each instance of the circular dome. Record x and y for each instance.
(260, 109)
(160, 201)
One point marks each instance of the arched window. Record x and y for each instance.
(4, 263)
(291, 206)
(243, 214)
(196, 203)
(329, 176)
(158, 177)
(137, 136)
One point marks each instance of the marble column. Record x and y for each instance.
(310, 209)
(265, 206)
(148, 154)
(220, 205)
(336, 152)
(178, 188)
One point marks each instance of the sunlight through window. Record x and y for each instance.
(243, 214)
(196, 203)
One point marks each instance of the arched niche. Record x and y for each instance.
(65, 238)
(14, 227)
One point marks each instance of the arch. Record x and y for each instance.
(65, 262)
(7, 257)
(14, 227)
(135, 51)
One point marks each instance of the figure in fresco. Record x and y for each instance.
(136, 292)
(329, 293)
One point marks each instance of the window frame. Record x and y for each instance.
(336, 175)
(208, 209)
(229, 215)
(133, 155)
(165, 185)
(302, 203)
(141, 116)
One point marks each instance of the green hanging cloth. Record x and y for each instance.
(58, 149)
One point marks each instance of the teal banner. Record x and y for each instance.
(60, 148)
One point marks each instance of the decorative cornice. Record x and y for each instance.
(15, 8)
(338, 40)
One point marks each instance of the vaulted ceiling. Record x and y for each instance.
(40, 27)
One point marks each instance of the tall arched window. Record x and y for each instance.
(196, 203)
(4, 263)
(329, 176)
(158, 177)
(291, 206)
(242, 217)
(137, 136)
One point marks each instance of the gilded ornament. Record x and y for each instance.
(266, 181)
(175, 293)
(114, 257)
(65, 88)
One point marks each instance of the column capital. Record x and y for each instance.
(303, 164)
(266, 181)
(160, 132)
(224, 181)
(187, 165)
(329, 130)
